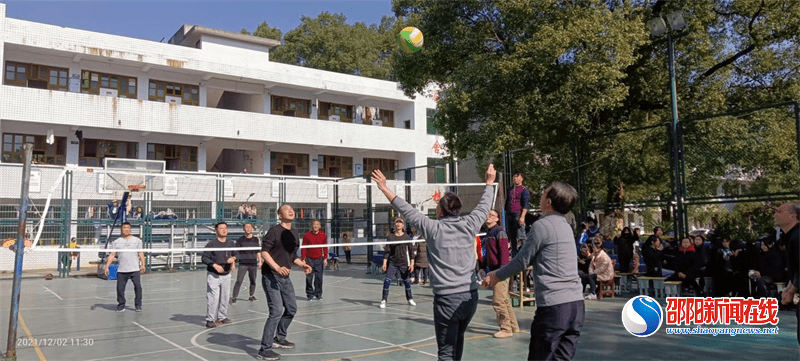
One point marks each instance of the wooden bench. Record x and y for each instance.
(672, 289)
(658, 286)
(625, 285)
(521, 296)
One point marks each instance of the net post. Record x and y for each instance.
(369, 219)
(13, 319)
(335, 216)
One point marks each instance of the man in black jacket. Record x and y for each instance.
(219, 264)
(787, 217)
(249, 262)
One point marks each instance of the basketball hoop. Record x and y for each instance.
(136, 187)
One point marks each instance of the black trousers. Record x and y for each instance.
(122, 282)
(512, 226)
(451, 316)
(245, 269)
(555, 331)
(588, 279)
(687, 282)
(347, 256)
(314, 279)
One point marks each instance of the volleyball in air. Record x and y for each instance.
(410, 39)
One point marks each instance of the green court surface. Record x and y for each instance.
(74, 319)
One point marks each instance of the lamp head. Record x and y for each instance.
(676, 21)
(657, 27)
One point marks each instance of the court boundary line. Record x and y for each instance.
(170, 342)
(33, 340)
(364, 337)
(54, 294)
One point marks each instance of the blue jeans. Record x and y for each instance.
(451, 316)
(282, 308)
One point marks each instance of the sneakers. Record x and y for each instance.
(503, 334)
(383, 304)
(310, 298)
(233, 301)
(224, 321)
(120, 310)
(268, 355)
(253, 299)
(282, 344)
(139, 309)
(516, 330)
(411, 302)
(319, 298)
(591, 296)
(210, 324)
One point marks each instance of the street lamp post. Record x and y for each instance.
(658, 28)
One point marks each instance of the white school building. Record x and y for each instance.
(206, 102)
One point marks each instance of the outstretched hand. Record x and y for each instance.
(490, 280)
(491, 174)
(379, 179)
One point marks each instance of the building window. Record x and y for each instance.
(177, 157)
(93, 151)
(344, 112)
(429, 113)
(43, 153)
(94, 82)
(174, 93)
(385, 165)
(289, 164)
(291, 107)
(437, 170)
(335, 166)
(36, 76)
(385, 117)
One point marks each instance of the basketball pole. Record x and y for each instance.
(13, 318)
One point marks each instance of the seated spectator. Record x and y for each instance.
(701, 258)
(658, 232)
(686, 267)
(724, 279)
(768, 268)
(253, 211)
(653, 258)
(244, 212)
(584, 262)
(670, 253)
(597, 241)
(113, 208)
(168, 214)
(138, 214)
(601, 268)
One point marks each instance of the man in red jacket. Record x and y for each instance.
(316, 257)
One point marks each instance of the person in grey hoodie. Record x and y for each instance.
(451, 257)
(550, 248)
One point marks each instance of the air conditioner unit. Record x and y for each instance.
(377, 122)
(334, 118)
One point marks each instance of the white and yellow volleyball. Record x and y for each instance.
(410, 39)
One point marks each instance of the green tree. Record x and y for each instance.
(553, 75)
(263, 30)
(327, 42)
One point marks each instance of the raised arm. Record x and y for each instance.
(412, 216)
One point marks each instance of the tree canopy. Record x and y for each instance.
(328, 42)
(549, 74)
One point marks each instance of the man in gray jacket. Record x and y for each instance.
(550, 248)
(451, 257)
